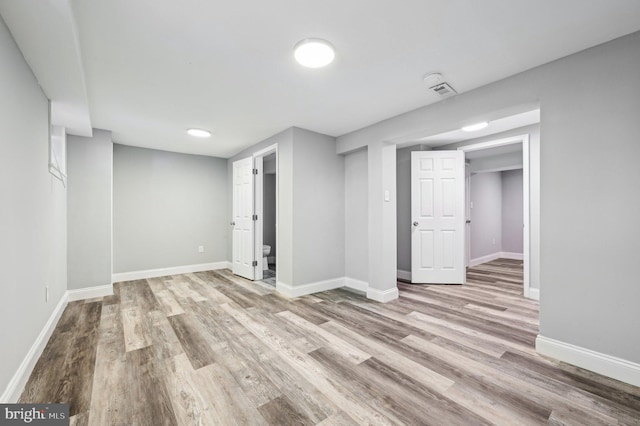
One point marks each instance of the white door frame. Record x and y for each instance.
(526, 216)
(467, 212)
(259, 208)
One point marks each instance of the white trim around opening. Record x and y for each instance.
(259, 208)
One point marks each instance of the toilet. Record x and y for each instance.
(266, 250)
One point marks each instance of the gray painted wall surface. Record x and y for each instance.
(319, 208)
(580, 117)
(356, 216)
(512, 211)
(269, 212)
(269, 164)
(496, 163)
(486, 214)
(165, 205)
(33, 223)
(590, 177)
(89, 167)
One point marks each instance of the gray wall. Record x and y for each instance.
(165, 205)
(356, 216)
(486, 214)
(581, 118)
(319, 206)
(590, 177)
(512, 211)
(496, 162)
(33, 225)
(269, 212)
(89, 167)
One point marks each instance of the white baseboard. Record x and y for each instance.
(534, 293)
(19, 379)
(493, 256)
(354, 284)
(404, 275)
(90, 292)
(303, 290)
(162, 272)
(382, 296)
(484, 259)
(350, 283)
(607, 365)
(509, 255)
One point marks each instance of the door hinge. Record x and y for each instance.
(255, 171)
(255, 217)
(254, 263)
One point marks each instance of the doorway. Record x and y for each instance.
(502, 146)
(255, 216)
(269, 243)
(266, 214)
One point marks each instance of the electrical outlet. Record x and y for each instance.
(46, 293)
(200, 249)
(494, 241)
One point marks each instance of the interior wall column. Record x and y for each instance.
(382, 222)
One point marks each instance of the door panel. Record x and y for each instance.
(438, 217)
(243, 228)
(426, 198)
(426, 247)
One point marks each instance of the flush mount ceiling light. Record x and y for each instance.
(314, 53)
(433, 79)
(474, 127)
(199, 133)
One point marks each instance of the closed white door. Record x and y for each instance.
(243, 223)
(438, 217)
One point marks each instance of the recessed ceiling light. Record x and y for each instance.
(199, 133)
(314, 53)
(474, 127)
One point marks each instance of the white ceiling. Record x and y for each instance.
(153, 68)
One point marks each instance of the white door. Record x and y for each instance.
(438, 217)
(243, 223)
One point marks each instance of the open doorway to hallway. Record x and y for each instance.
(497, 204)
(507, 159)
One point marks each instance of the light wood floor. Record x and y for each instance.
(213, 349)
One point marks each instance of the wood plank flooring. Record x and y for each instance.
(214, 349)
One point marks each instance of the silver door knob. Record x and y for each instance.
(415, 223)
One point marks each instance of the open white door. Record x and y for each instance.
(438, 217)
(243, 223)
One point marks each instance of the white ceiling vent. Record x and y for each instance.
(443, 90)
